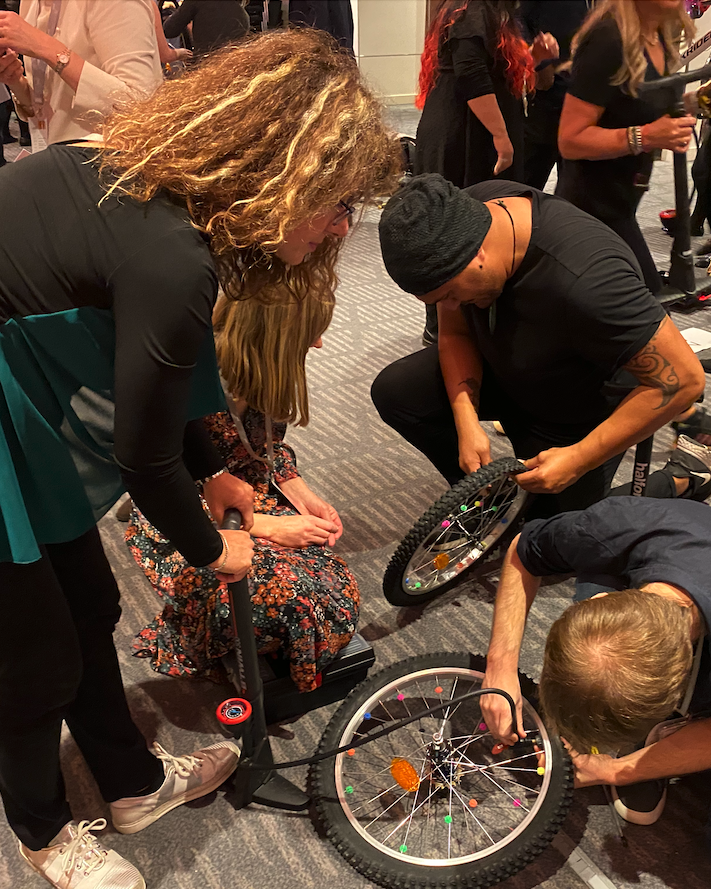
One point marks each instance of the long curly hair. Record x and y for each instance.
(634, 62)
(509, 47)
(262, 349)
(255, 140)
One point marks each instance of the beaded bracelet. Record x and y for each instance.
(634, 140)
(204, 481)
(226, 555)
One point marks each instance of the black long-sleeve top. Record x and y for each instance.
(215, 22)
(60, 250)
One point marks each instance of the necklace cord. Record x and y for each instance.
(500, 203)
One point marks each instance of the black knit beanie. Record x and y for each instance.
(430, 231)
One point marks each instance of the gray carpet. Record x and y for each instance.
(380, 485)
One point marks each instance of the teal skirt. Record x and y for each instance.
(58, 475)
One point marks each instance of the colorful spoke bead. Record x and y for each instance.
(349, 789)
(351, 752)
(404, 774)
(446, 524)
(401, 697)
(541, 770)
(440, 561)
(482, 726)
(473, 804)
(517, 803)
(447, 819)
(403, 848)
(439, 690)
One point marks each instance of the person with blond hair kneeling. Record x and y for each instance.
(626, 670)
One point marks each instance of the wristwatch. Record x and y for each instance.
(63, 59)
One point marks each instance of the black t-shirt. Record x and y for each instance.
(575, 311)
(60, 249)
(607, 188)
(632, 541)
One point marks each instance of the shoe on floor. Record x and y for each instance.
(699, 423)
(77, 860)
(692, 461)
(123, 513)
(703, 249)
(641, 803)
(186, 778)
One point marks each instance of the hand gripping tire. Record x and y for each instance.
(464, 528)
(420, 810)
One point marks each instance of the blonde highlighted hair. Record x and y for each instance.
(257, 139)
(634, 65)
(262, 348)
(614, 667)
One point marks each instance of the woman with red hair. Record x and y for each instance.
(476, 69)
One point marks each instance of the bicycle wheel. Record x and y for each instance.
(435, 803)
(465, 527)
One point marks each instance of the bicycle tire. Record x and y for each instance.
(399, 581)
(384, 862)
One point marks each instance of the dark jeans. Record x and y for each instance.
(410, 396)
(58, 662)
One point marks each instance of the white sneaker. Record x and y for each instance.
(77, 860)
(186, 778)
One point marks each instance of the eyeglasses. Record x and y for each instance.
(345, 211)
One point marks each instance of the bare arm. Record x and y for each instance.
(580, 137)
(670, 380)
(462, 371)
(487, 110)
(686, 751)
(515, 594)
(167, 52)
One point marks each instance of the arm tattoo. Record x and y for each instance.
(652, 369)
(474, 387)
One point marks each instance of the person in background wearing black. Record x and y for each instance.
(215, 23)
(539, 306)
(475, 70)
(561, 18)
(333, 16)
(607, 132)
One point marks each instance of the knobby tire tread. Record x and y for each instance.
(479, 875)
(423, 527)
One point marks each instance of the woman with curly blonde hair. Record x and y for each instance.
(607, 130)
(241, 174)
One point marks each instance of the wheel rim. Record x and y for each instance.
(463, 536)
(467, 806)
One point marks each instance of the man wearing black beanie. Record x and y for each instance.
(539, 306)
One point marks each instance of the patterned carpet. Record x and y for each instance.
(379, 485)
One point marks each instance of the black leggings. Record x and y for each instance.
(410, 396)
(58, 663)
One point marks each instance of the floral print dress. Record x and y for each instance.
(305, 601)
